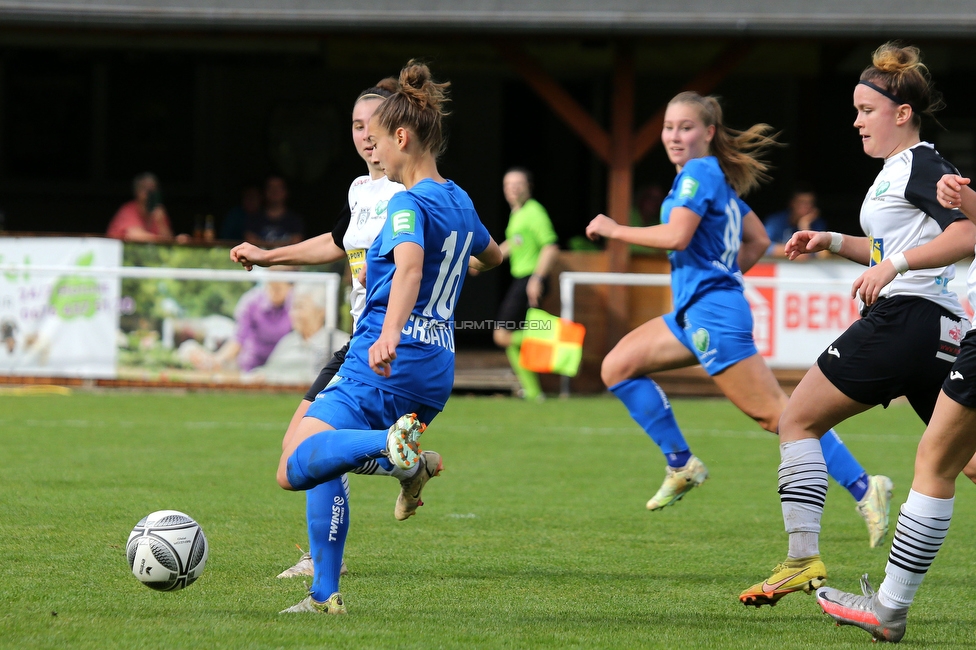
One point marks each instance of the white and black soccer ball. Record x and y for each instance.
(167, 550)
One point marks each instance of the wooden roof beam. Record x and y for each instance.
(560, 101)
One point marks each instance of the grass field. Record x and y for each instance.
(535, 536)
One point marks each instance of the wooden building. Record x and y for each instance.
(210, 95)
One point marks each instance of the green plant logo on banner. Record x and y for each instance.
(75, 296)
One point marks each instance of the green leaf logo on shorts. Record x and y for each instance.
(700, 339)
(882, 188)
(689, 187)
(403, 221)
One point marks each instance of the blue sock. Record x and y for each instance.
(329, 454)
(649, 407)
(843, 467)
(327, 512)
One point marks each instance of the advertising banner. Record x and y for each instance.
(58, 324)
(160, 314)
(795, 320)
(266, 328)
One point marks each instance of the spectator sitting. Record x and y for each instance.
(276, 225)
(802, 214)
(300, 354)
(143, 219)
(647, 206)
(262, 320)
(235, 221)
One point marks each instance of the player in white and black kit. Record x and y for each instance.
(912, 323)
(947, 449)
(359, 223)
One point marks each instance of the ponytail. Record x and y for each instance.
(417, 105)
(739, 153)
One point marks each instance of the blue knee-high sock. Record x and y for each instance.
(327, 512)
(649, 407)
(329, 454)
(842, 466)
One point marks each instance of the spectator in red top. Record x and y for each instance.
(144, 218)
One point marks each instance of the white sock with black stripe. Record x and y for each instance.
(922, 526)
(802, 491)
(371, 467)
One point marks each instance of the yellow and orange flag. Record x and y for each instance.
(551, 344)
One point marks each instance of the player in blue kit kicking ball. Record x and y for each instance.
(713, 237)
(400, 364)
(359, 224)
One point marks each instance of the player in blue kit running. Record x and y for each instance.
(713, 237)
(401, 358)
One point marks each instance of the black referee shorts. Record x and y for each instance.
(327, 373)
(960, 385)
(904, 346)
(515, 304)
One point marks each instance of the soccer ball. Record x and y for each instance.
(166, 550)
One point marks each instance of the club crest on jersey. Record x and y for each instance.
(877, 251)
(362, 217)
(689, 187)
(700, 339)
(403, 221)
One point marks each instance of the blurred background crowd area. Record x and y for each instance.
(225, 104)
(214, 101)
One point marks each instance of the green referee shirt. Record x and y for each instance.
(528, 231)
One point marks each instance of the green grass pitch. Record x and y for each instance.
(535, 535)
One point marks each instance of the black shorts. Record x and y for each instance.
(904, 346)
(515, 304)
(327, 373)
(960, 385)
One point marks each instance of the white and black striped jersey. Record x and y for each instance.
(357, 228)
(901, 212)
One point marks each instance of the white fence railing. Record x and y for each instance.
(798, 308)
(330, 280)
(75, 320)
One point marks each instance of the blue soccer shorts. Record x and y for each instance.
(717, 328)
(350, 404)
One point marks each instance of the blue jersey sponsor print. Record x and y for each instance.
(711, 259)
(442, 220)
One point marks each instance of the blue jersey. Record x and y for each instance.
(440, 218)
(711, 259)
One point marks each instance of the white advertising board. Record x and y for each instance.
(59, 324)
(797, 319)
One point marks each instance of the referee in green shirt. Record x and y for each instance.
(530, 245)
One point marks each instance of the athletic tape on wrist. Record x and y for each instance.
(900, 263)
(836, 241)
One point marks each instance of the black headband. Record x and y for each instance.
(887, 94)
